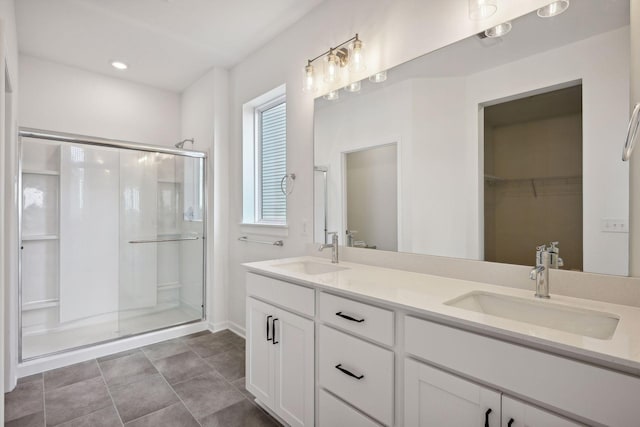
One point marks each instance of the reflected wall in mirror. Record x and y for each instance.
(502, 144)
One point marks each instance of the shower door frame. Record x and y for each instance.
(24, 132)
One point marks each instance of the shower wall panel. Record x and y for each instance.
(89, 206)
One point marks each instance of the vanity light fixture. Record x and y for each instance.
(119, 65)
(353, 87)
(332, 96)
(348, 54)
(499, 30)
(553, 9)
(378, 77)
(482, 9)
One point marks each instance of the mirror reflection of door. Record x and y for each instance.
(372, 198)
(533, 177)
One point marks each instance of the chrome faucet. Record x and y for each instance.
(350, 235)
(547, 257)
(333, 246)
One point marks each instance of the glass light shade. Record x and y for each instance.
(482, 9)
(553, 9)
(353, 87)
(331, 68)
(332, 96)
(309, 79)
(356, 57)
(378, 77)
(499, 30)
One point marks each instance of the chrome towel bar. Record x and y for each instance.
(262, 242)
(175, 239)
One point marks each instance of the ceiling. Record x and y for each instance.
(166, 43)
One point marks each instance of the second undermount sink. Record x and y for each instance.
(579, 321)
(310, 267)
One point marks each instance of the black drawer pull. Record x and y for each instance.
(274, 330)
(351, 374)
(511, 421)
(486, 417)
(346, 316)
(268, 339)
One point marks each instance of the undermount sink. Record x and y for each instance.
(310, 267)
(579, 321)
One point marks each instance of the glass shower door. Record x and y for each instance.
(161, 241)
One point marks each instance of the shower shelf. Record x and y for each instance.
(40, 237)
(497, 179)
(40, 172)
(168, 286)
(39, 305)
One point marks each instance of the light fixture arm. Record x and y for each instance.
(332, 49)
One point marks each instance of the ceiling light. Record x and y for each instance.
(482, 9)
(353, 87)
(336, 61)
(332, 96)
(378, 77)
(119, 65)
(553, 9)
(499, 30)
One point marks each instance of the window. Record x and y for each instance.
(265, 159)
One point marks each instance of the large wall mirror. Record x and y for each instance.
(488, 147)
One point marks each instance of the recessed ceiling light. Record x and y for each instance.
(119, 65)
(553, 9)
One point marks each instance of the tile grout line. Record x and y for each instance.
(44, 403)
(104, 380)
(172, 389)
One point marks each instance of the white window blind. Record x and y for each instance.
(272, 149)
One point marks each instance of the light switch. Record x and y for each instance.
(614, 225)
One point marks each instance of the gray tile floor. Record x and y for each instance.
(197, 380)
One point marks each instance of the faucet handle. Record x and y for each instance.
(553, 247)
(541, 248)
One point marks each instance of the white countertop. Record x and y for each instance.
(425, 295)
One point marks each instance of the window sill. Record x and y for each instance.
(265, 229)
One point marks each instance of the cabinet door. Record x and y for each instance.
(525, 415)
(260, 376)
(436, 398)
(294, 357)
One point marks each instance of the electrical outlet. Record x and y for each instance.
(614, 225)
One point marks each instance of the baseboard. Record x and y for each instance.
(227, 324)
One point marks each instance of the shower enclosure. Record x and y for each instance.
(112, 240)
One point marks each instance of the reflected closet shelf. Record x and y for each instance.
(39, 305)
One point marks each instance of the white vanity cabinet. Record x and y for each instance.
(280, 360)
(437, 398)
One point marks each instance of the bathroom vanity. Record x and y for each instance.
(356, 345)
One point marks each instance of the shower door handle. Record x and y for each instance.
(176, 239)
(632, 133)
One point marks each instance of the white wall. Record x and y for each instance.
(67, 99)
(634, 217)
(205, 116)
(394, 31)
(8, 200)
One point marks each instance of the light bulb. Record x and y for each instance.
(119, 65)
(356, 58)
(353, 87)
(331, 67)
(553, 9)
(499, 30)
(482, 9)
(378, 77)
(332, 96)
(309, 79)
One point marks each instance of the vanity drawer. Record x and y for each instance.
(362, 319)
(584, 390)
(284, 294)
(366, 378)
(335, 413)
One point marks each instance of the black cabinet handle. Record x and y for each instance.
(268, 339)
(486, 417)
(351, 374)
(346, 316)
(511, 421)
(274, 330)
